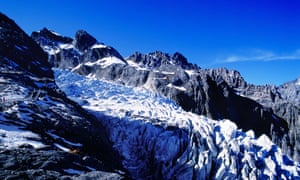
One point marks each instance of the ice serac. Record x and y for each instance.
(157, 139)
(202, 91)
(284, 100)
(43, 133)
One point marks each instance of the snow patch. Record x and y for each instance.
(73, 171)
(98, 46)
(12, 137)
(191, 72)
(105, 62)
(168, 73)
(66, 46)
(298, 82)
(137, 66)
(50, 50)
(62, 147)
(55, 33)
(180, 88)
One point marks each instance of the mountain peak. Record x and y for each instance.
(83, 40)
(158, 59)
(179, 58)
(49, 37)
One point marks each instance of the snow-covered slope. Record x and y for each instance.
(159, 140)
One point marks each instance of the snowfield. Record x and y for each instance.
(157, 139)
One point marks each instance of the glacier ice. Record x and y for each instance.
(157, 139)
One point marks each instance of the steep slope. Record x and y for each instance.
(159, 140)
(83, 49)
(43, 133)
(284, 100)
(191, 87)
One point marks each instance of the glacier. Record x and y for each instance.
(158, 139)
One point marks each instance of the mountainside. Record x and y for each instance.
(284, 100)
(82, 111)
(218, 94)
(43, 133)
(159, 140)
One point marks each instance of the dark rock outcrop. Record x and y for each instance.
(32, 102)
(83, 40)
(283, 100)
(84, 48)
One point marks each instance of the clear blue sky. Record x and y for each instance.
(259, 38)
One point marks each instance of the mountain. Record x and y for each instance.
(284, 100)
(43, 133)
(82, 111)
(216, 94)
(157, 139)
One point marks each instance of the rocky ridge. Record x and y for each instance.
(43, 133)
(284, 100)
(205, 92)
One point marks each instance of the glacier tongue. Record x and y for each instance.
(159, 140)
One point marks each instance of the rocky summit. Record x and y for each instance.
(74, 108)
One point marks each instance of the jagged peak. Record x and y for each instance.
(159, 55)
(178, 57)
(158, 58)
(83, 40)
(51, 35)
(232, 77)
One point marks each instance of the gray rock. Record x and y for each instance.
(32, 102)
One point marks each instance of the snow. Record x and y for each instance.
(180, 88)
(66, 46)
(12, 137)
(62, 147)
(2, 80)
(56, 137)
(50, 50)
(298, 82)
(53, 32)
(73, 171)
(191, 72)
(145, 127)
(98, 46)
(105, 62)
(136, 66)
(168, 73)
(264, 141)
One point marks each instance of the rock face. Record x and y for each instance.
(159, 140)
(218, 93)
(80, 48)
(284, 100)
(205, 92)
(43, 133)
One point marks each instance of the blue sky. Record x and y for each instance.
(259, 38)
